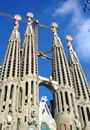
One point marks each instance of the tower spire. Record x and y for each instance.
(61, 72)
(57, 41)
(29, 57)
(30, 76)
(15, 33)
(10, 78)
(29, 29)
(74, 58)
(64, 96)
(11, 64)
(80, 86)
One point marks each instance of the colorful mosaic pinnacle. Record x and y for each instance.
(17, 17)
(30, 15)
(54, 25)
(69, 38)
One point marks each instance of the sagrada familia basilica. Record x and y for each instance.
(20, 108)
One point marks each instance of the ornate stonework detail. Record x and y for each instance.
(54, 25)
(33, 112)
(77, 123)
(9, 118)
(32, 122)
(44, 99)
(17, 17)
(69, 38)
(30, 15)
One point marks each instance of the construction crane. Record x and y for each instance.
(42, 54)
(87, 71)
(39, 54)
(12, 17)
(26, 21)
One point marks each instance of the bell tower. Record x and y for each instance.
(10, 80)
(29, 75)
(64, 97)
(81, 88)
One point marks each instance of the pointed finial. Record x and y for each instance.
(54, 25)
(17, 18)
(30, 16)
(69, 39)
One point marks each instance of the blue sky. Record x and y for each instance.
(71, 20)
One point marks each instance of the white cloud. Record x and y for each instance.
(83, 40)
(80, 24)
(65, 8)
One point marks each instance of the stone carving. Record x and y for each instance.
(54, 30)
(33, 113)
(9, 118)
(32, 122)
(44, 99)
(35, 123)
(77, 123)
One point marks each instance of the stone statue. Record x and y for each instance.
(44, 99)
(77, 123)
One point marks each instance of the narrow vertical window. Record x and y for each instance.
(20, 97)
(0, 93)
(72, 101)
(16, 98)
(83, 115)
(26, 91)
(67, 101)
(0, 126)
(88, 113)
(32, 87)
(70, 127)
(66, 97)
(25, 119)
(6, 88)
(62, 101)
(11, 92)
(58, 101)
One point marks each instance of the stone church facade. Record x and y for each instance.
(20, 81)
